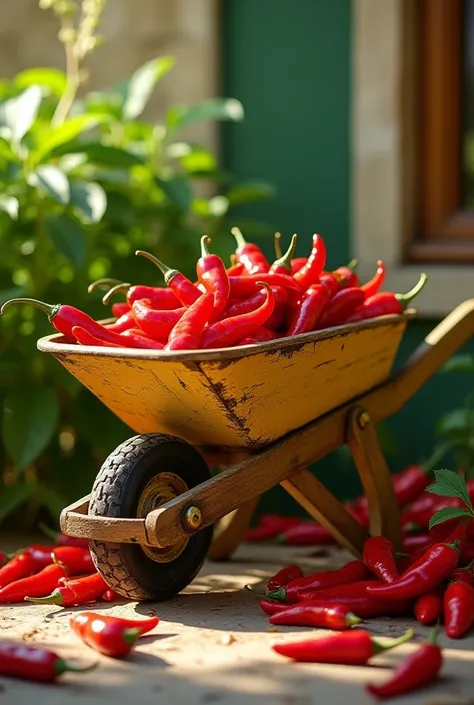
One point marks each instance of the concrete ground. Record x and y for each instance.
(212, 646)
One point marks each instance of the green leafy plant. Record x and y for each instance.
(456, 426)
(85, 180)
(448, 483)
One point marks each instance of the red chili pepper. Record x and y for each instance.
(283, 577)
(212, 274)
(359, 602)
(247, 285)
(428, 607)
(123, 323)
(324, 616)
(157, 324)
(120, 309)
(270, 607)
(262, 533)
(249, 254)
(282, 265)
(262, 334)
(385, 303)
(464, 575)
(417, 542)
(309, 310)
(331, 280)
(162, 299)
(36, 585)
(84, 337)
(379, 557)
(283, 522)
(353, 648)
(20, 566)
(458, 608)
(341, 307)
(434, 566)
(111, 596)
(180, 285)
(229, 331)
(306, 533)
(32, 663)
(237, 308)
(187, 333)
(74, 592)
(78, 560)
(112, 636)
(297, 263)
(61, 539)
(309, 273)
(424, 501)
(348, 276)
(416, 671)
(352, 572)
(334, 592)
(235, 269)
(373, 285)
(422, 519)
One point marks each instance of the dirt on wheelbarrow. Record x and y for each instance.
(212, 645)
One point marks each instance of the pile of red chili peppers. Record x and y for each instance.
(249, 302)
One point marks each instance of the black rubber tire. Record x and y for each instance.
(116, 492)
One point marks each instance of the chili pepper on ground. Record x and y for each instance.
(157, 324)
(230, 330)
(352, 572)
(306, 533)
(120, 309)
(78, 560)
(373, 285)
(334, 592)
(32, 663)
(37, 585)
(353, 648)
(249, 254)
(348, 274)
(458, 608)
(330, 616)
(309, 310)
(428, 607)
(282, 265)
(180, 285)
(309, 273)
(434, 566)
(20, 566)
(416, 671)
(270, 607)
(283, 577)
(212, 274)
(385, 303)
(123, 323)
(112, 636)
(111, 596)
(61, 539)
(74, 592)
(379, 557)
(297, 263)
(187, 333)
(341, 307)
(162, 299)
(359, 602)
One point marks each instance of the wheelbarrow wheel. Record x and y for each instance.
(140, 475)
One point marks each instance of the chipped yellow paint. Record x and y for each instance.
(241, 397)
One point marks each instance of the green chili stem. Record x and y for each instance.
(123, 287)
(168, 273)
(406, 299)
(237, 233)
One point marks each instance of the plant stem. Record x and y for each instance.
(72, 71)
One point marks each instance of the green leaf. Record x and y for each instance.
(67, 237)
(459, 363)
(18, 114)
(9, 205)
(212, 109)
(447, 513)
(456, 420)
(193, 158)
(13, 497)
(140, 86)
(249, 192)
(66, 132)
(98, 153)
(178, 190)
(30, 419)
(90, 199)
(449, 484)
(6, 150)
(52, 181)
(53, 79)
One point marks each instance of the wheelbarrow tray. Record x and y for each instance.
(240, 397)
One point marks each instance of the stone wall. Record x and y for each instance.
(135, 31)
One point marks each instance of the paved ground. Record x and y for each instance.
(212, 646)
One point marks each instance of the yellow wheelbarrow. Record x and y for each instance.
(261, 413)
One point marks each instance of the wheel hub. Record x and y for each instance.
(159, 490)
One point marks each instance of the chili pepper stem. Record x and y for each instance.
(380, 646)
(101, 284)
(434, 634)
(237, 233)
(405, 299)
(54, 599)
(123, 286)
(352, 619)
(131, 635)
(61, 666)
(49, 309)
(353, 264)
(276, 244)
(168, 273)
(285, 260)
(260, 595)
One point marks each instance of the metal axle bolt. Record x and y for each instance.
(193, 517)
(364, 419)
